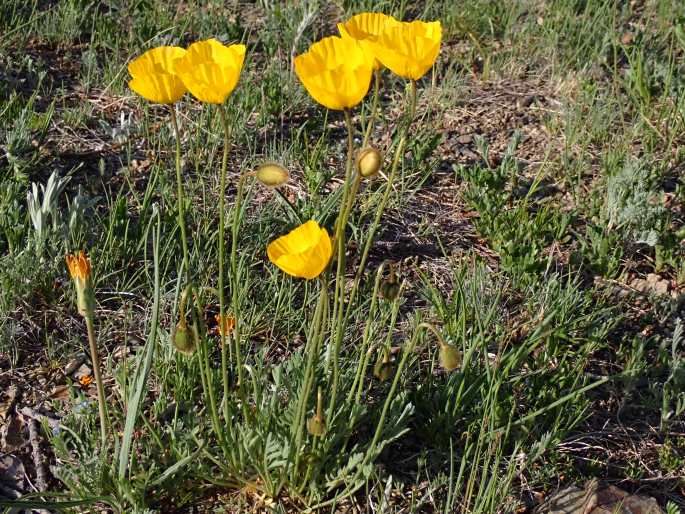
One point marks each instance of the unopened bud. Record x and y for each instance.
(390, 288)
(272, 175)
(316, 426)
(184, 339)
(369, 162)
(384, 367)
(449, 356)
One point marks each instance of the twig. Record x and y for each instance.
(38, 462)
(37, 416)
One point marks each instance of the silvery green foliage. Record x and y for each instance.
(77, 209)
(43, 206)
(633, 205)
(673, 399)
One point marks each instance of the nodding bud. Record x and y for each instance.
(449, 356)
(384, 367)
(316, 426)
(369, 161)
(390, 288)
(272, 175)
(183, 339)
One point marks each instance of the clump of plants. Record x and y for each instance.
(305, 429)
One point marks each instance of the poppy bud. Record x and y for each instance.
(390, 288)
(80, 271)
(369, 161)
(449, 356)
(272, 175)
(316, 426)
(184, 340)
(384, 367)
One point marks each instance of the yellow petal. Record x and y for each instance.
(408, 49)
(335, 72)
(304, 252)
(161, 88)
(366, 27)
(153, 75)
(210, 70)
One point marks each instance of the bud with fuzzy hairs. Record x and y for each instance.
(449, 356)
(369, 162)
(272, 175)
(316, 425)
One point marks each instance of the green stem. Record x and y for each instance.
(391, 394)
(95, 358)
(312, 349)
(222, 305)
(179, 195)
(235, 301)
(399, 151)
(339, 299)
(197, 316)
(374, 107)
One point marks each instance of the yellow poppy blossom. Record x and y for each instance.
(365, 28)
(408, 49)
(304, 252)
(336, 72)
(153, 75)
(211, 70)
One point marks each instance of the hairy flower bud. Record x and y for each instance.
(449, 356)
(80, 271)
(272, 175)
(316, 426)
(390, 288)
(184, 339)
(369, 161)
(384, 367)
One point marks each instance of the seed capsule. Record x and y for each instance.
(272, 175)
(369, 161)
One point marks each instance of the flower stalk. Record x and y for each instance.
(222, 307)
(81, 273)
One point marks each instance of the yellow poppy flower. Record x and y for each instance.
(153, 75)
(211, 70)
(304, 252)
(335, 71)
(365, 28)
(408, 49)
